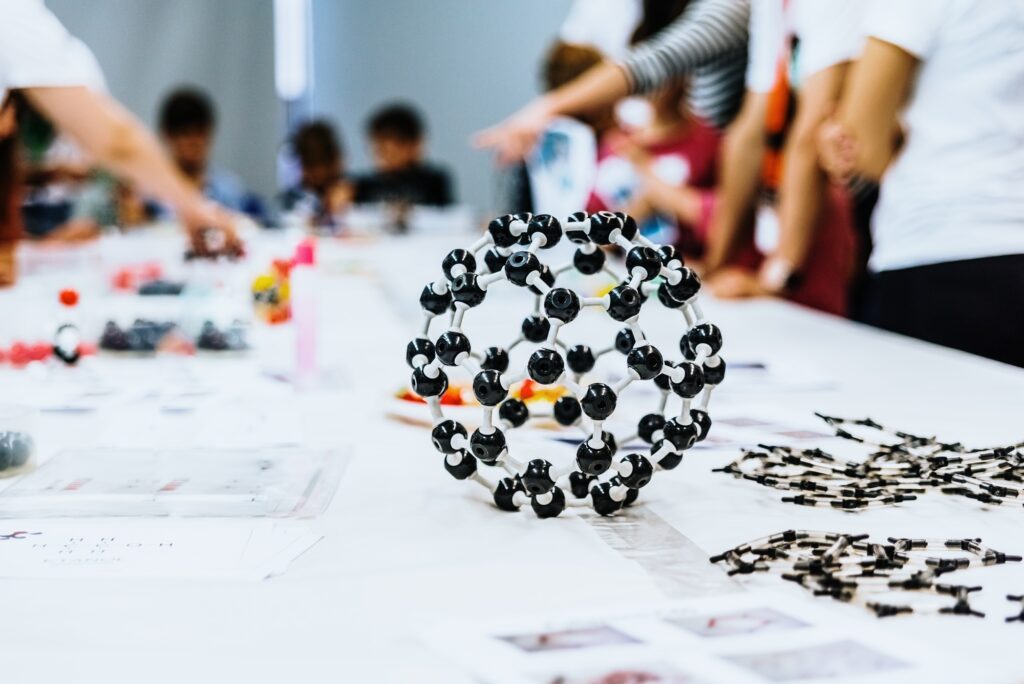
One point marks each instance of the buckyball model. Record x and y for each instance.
(599, 476)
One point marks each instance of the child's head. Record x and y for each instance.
(316, 146)
(564, 63)
(187, 121)
(396, 135)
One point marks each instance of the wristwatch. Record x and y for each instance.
(778, 275)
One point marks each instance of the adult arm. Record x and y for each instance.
(706, 31)
(116, 140)
(742, 152)
(867, 114)
(803, 183)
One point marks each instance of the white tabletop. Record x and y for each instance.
(405, 545)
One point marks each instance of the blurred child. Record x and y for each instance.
(662, 174)
(187, 123)
(401, 176)
(322, 192)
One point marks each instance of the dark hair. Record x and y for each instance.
(10, 177)
(657, 15)
(565, 62)
(401, 121)
(315, 142)
(186, 110)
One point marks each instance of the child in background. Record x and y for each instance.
(662, 174)
(187, 124)
(323, 192)
(398, 146)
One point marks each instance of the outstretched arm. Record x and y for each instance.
(117, 140)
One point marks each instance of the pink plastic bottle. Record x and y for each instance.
(304, 315)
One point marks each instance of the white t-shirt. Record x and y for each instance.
(37, 51)
(956, 190)
(829, 33)
(604, 24)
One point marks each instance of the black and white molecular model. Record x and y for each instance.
(599, 476)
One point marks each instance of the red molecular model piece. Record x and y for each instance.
(69, 297)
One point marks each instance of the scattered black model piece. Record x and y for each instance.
(899, 467)
(853, 568)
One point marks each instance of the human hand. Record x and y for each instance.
(837, 151)
(514, 138)
(623, 145)
(733, 282)
(338, 197)
(212, 231)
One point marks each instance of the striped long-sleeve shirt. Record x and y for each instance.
(708, 42)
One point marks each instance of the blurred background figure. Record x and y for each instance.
(707, 41)
(323, 192)
(401, 175)
(660, 167)
(187, 122)
(935, 109)
(773, 192)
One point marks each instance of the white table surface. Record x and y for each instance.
(406, 545)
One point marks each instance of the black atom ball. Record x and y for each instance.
(687, 287)
(666, 299)
(593, 460)
(669, 461)
(588, 263)
(466, 289)
(603, 502)
(420, 347)
(567, 410)
(645, 258)
(648, 425)
(682, 435)
(579, 484)
(580, 359)
(501, 232)
(714, 375)
(546, 277)
(435, 303)
(514, 411)
(450, 346)
(562, 304)
(646, 361)
(692, 382)
(443, 434)
(495, 358)
(641, 472)
(707, 335)
(426, 386)
(504, 494)
(668, 254)
(663, 381)
(624, 302)
(488, 388)
(536, 328)
(548, 226)
(553, 508)
(602, 224)
(575, 234)
(631, 494)
(457, 257)
(629, 227)
(494, 260)
(519, 266)
(463, 469)
(599, 401)
(537, 478)
(487, 446)
(545, 366)
(624, 341)
(703, 421)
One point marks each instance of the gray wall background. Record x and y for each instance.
(465, 63)
(147, 47)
